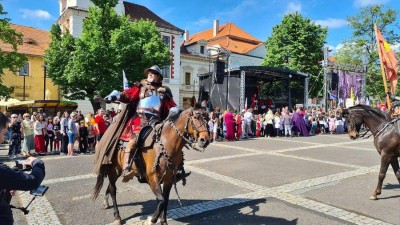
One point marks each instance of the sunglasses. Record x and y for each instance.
(14, 117)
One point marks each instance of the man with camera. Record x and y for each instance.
(11, 179)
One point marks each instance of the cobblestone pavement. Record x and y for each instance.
(324, 179)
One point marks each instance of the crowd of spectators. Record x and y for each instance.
(64, 133)
(74, 133)
(280, 122)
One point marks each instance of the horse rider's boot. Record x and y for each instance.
(127, 172)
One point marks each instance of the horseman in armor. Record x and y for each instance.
(149, 103)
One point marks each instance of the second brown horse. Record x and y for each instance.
(161, 161)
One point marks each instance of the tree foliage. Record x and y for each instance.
(57, 57)
(11, 60)
(93, 64)
(364, 39)
(297, 44)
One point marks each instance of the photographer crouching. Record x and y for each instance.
(11, 179)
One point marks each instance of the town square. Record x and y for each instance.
(317, 180)
(214, 112)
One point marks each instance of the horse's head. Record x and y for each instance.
(197, 126)
(354, 120)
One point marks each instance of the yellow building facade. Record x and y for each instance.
(37, 87)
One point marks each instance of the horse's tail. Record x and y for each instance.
(99, 182)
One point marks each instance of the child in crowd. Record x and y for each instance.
(49, 137)
(216, 127)
(57, 134)
(258, 125)
(314, 125)
(83, 136)
(91, 136)
(211, 128)
(277, 123)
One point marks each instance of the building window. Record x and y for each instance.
(166, 72)
(187, 78)
(167, 41)
(24, 71)
(201, 49)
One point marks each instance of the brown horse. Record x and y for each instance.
(161, 160)
(386, 137)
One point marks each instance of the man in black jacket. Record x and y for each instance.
(16, 180)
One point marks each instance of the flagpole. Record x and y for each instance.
(382, 69)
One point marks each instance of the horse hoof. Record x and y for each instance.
(373, 197)
(117, 222)
(106, 206)
(148, 222)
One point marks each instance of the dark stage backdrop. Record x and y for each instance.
(217, 93)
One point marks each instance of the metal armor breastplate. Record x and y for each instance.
(150, 104)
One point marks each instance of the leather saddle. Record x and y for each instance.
(147, 136)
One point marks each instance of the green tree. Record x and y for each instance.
(109, 44)
(350, 52)
(10, 59)
(297, 44)
(364, 38)
(57, 57)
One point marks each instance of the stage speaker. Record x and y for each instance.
(220, 70)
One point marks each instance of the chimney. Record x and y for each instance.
(215, 28)
(186, 37)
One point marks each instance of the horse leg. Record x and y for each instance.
(157, 190)
(166, 191)
(385, 160)
(106, 204)
(395, 166)
(112, 189)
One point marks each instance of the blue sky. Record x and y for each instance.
(257, 17)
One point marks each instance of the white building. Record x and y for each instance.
(73, 12)
(198, 53)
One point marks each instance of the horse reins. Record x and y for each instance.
(381, 128)
(189, 143)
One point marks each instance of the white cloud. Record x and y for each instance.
(35, 14)
(396, 47)
(293, 7)
(332, 23)
(363, 3)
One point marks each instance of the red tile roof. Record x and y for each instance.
(230, 37)
(35, 41)
(332, 58)
(135, 12)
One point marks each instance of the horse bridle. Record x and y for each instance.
(190, 143)
(194, 127)
(381, 128)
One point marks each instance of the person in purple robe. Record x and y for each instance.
(230, 125)
(299, 125)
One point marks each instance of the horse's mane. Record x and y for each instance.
(368, 108)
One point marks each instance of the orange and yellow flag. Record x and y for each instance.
(389, 60)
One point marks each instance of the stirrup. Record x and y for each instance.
(127, 175)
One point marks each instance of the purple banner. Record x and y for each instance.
(347, 81)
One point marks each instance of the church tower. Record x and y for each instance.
(73, 12)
